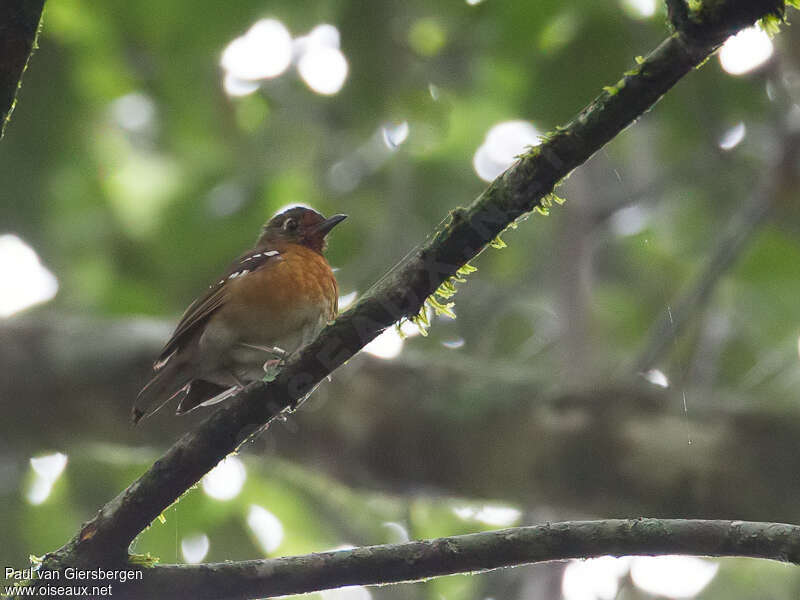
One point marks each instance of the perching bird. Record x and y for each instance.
(271, 301)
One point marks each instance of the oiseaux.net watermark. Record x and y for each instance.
(70, 582)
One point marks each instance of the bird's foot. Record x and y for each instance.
(271, 369)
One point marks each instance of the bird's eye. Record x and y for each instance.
(289, 225)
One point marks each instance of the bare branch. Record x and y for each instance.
(412, 561)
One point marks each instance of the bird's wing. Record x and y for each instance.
(200, 393)
(206, 305)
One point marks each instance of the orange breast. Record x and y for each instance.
(296, 292)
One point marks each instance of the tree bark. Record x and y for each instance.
(19, 27)
(412, 561)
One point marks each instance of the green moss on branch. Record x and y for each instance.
(19, 27)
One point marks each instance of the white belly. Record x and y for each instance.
(229, 354)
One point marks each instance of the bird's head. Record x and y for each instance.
(298, 225)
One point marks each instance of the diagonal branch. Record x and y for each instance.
(104, 539)
(412, 561)
(733, 242)
(19, 27)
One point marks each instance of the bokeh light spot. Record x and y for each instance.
(454, 344)
(629, 220)
(134, 112)
(672, 576)
(47, 469)
(346, 300)
(24, 281)
(387, 345)
(657, 377)
(225, 481)
(324, 69)
(195, 548)
(394, 135)
(426, 37)
(639, 9)
(594, 579)
(265, 51)
(353, 592)
(397, 533)
(236, 87)
(504, 142)
(733, 137)
(489, 514)
(266, 527)
(745, 51)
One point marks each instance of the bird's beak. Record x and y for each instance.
(324, 228)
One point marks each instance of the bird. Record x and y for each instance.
(272, 300)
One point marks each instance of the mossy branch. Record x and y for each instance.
(517, 192)
(19, 28)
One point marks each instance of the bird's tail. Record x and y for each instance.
(167, 383)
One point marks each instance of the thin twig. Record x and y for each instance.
(19, 26)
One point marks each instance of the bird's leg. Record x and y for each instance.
(271, 369)
(236, 379)
(274, 363)
(267, 349)
(272, 366)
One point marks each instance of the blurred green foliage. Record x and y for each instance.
(135, 217)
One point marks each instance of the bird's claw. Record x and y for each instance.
(271, 369)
